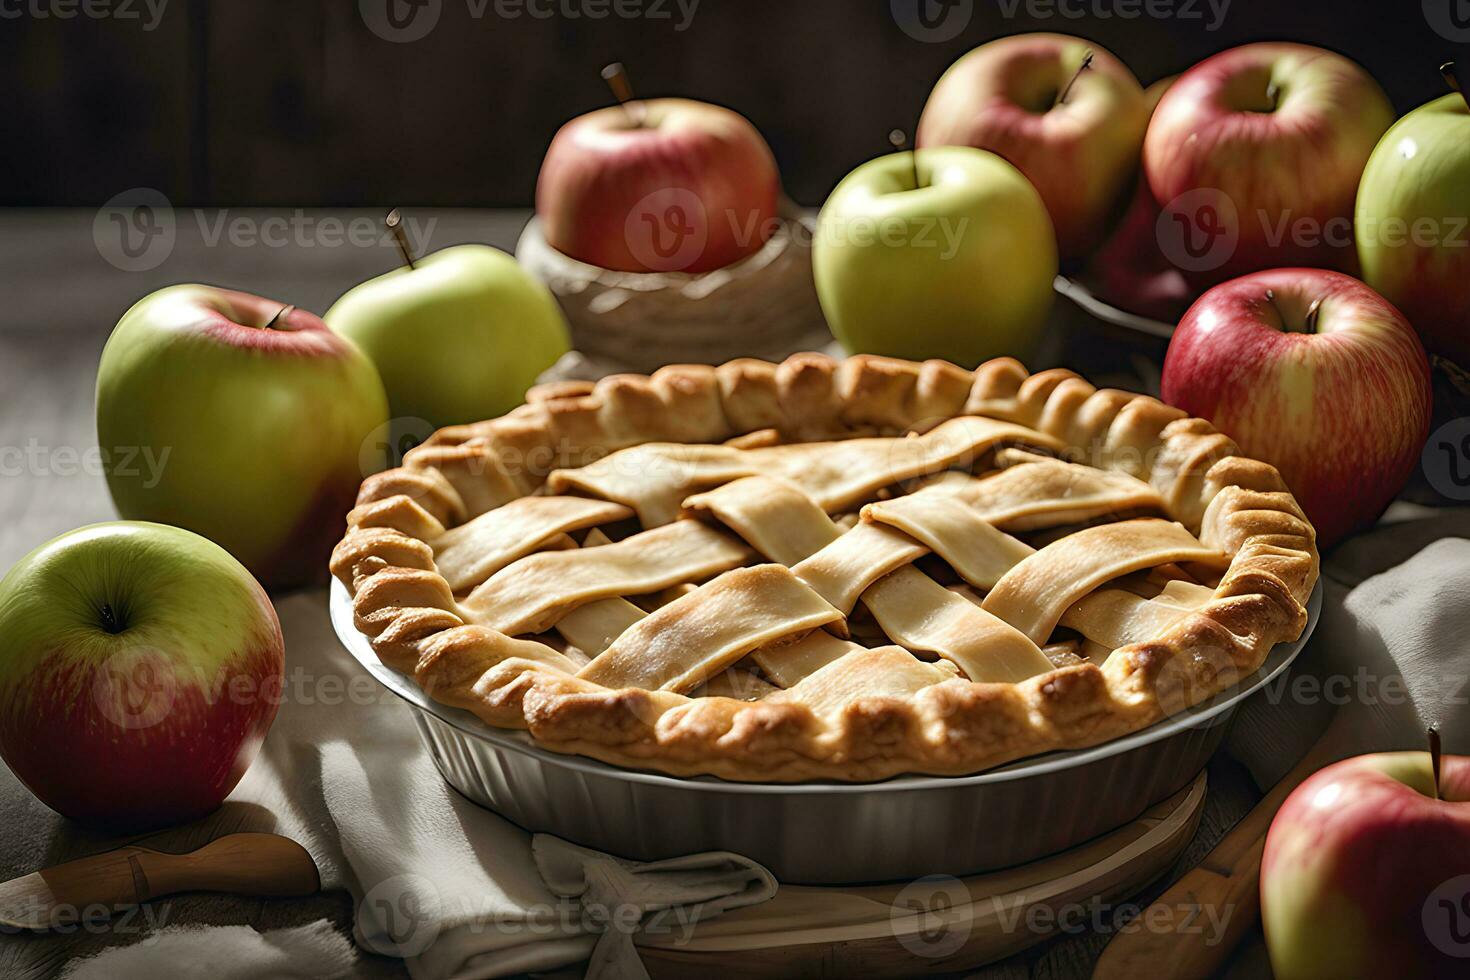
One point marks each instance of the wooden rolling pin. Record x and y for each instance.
(1228, 878)
(240, 864)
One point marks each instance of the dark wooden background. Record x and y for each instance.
(274, 102)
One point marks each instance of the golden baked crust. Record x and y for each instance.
(758, 550)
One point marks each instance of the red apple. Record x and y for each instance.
(1366, 871)
(1075, 134)
(1314, 372)
(1255, 155)
(661, 185)
(243, 420)
(141, 669)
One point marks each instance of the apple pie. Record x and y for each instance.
(827, 569)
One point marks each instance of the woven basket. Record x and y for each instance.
(762, 306)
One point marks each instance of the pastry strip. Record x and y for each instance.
(1033, 596)
(593, 627)
(788, 663)
(695, 637)
(1048, 493)
(845, 568)
(737, 683)
(529, 595)
(472, 552)
(1116, 617)
(881, 672)
(954, 531)
(841, 475)
(654, 479)
(912, 608)
(919, 613)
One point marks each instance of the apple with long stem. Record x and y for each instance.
(657, 185)
(1315, 373)
(457, 335)
(241, 418)
(141, 668)
(1411, 221)
(1064, 111)
(1366, 870)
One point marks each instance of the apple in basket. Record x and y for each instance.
(1315, 373)
(1254, 155)
(241, 419)
(1413, 241)
(141, 668)
(1366, 871)
(657, 185)
(1064, 111)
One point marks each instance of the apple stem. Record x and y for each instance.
(1435, 756)
(270, 324)
(1447, 72)
(1312, 313)
(1066, 90)
(394, 221)
(616, 77)
(898, 141)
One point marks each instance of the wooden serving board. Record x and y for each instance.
(938, 924)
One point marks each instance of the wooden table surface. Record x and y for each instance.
(61, 296)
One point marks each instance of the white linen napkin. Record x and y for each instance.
(1390, 656)
(624, 899)
(445, 885)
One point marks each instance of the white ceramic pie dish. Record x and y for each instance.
(824, 832)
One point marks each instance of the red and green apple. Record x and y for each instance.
(1074, 131)
(1315, 373)
(253, 417)
(660, 185)
(141, 669)
(1255, 155)
(1366, 871)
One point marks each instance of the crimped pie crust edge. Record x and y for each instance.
(1240, 505)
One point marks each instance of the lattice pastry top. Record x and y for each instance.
(824, 569)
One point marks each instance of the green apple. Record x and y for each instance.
(958, 263)
(458, 336)
(242, 420)
(1410, 223)
(141, 669)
